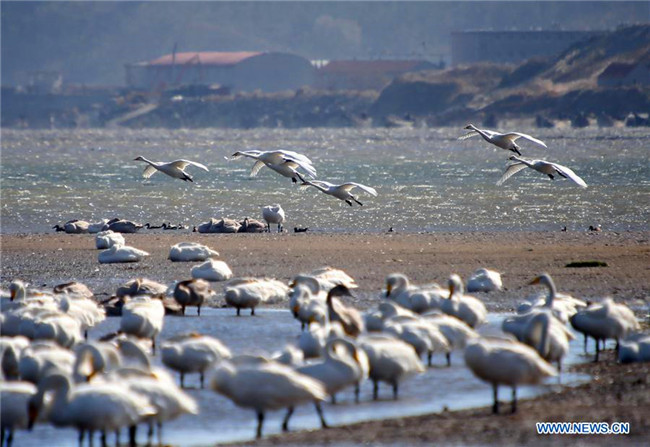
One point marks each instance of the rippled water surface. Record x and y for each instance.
(427, 179)
(221, 421)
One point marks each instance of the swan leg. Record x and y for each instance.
(348, 202)
(333, 398)
(586, 339)
(103, 438)
(285, 421)
(597, 350)
(495, 406)
(319, 410)
(91, 438)
(199, 311)
(201, 379)
(375, 390)
(117, 438)
(253, 311)
(182, 380)
(299, 176)
(551, 176)
(357, 391)
(153, 345)
(81, 438)
(159, 425)
(514, 399)
(429, 355)
(448, 356)
(260, 422)
(355, 199)
(515, 149)
(395, 389)
(133, 430)
(183, 310)
(238, 312)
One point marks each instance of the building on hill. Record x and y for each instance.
(469, 47)
(619, 74)
(365, 74)
(236, 71)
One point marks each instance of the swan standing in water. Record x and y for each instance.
(545, 167)
(90, 407)
(342, 191)
(192, 292)
(248, 293)
(418, 299)
(391, 360)
(348, 316)
(285, 163)
(143, 317)
(192, 353)
(273, 214)
(465, 307)
(505, 362)
(503, 140)
(14, 399)
(264, 386)
(175, 169)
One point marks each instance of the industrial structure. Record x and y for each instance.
(236, 71)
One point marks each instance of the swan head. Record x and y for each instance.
(139, 158)
(470, 127)
(395, 281)
(17, 289)
(544, 279)
(339, 290)
(455, 285)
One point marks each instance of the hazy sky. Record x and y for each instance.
(89, 42)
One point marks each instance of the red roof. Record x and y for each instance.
(205, 58)
(378, 66)
(617, 70)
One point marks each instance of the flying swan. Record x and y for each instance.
(342, 191)
(503, 140)
(175, 169)
(285, 163)
(545, 167)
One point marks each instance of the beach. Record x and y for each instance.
(45, 260)
(617, 393)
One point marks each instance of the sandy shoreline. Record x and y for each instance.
(617, 393)
(48, 259)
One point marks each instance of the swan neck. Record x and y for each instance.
(551, 292)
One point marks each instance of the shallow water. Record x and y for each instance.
(427, 180)
(221, 421)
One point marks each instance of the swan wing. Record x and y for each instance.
(351, 185)
(516, 135)
(149, 171)
(307, 167)
(511, 170)
(322, 183)
(256, 168)
(182, 164)
(295, 156)
(568, 173)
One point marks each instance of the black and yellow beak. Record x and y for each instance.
(389, 288)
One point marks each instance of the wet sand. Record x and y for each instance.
(48, 259)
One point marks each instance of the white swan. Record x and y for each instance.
(193, 353)
(143, 317)
(605, 320)
(98, 227)
(344, 365)
(342, 191)
(545, 167)
(74, 226)
(14, 400)
(285, 163)
(391, 360)
(85, 310)
(264, 386)
(504, 362)
(141, 286)
(121, 253)
(456, 331)
(192, 292)
(503, 140)
(175, 169)
(484, 280)
(124, 226)
(190, 251)
(273, 214)
(56, 326)
(469, 309)
(212, 270)
(90, 407)
(44, 358)
(418, 299)
(374, 319)
(328, 277)
(348, 316)
(635, 349)
(423, 335)
(108, 238)
(248, 293)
